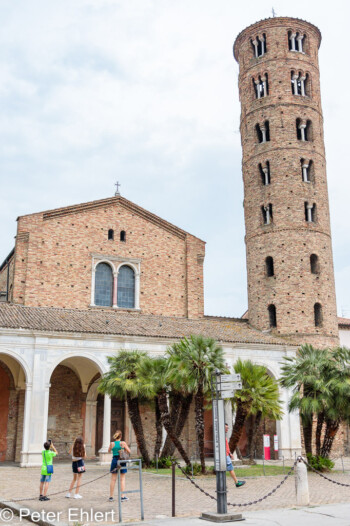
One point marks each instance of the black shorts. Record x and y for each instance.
(77, 464)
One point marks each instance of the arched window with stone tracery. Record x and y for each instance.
(103, 285)
(126, 288)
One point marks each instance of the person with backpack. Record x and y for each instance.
(78, 453)
(118, 448)
(48, 453)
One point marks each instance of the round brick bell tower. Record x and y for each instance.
(288, 239)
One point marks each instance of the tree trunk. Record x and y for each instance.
(181, 421)
(332, 427)
(241, 415)
(320, 422)
(199, 410)
(166, 421)
(136, 422)
(256, 426)
(307, 432)
(159, 429)
(249, 429)
(176, 401)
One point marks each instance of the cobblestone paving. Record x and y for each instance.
(18, 483)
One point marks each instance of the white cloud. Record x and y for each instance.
(146, 92)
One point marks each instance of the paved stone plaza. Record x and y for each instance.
(17, 483)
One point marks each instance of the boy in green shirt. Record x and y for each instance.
(48, 454)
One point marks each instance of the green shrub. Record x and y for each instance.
(197, 469)
(163, 462)
(320, 463)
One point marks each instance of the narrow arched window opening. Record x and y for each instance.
(304, 130)
(310, 212)
(263, 132)
(314, 264)
(272, 315)
(111, 234)
(269, 266)
(123, 236)
(318, 315)
(103, 285)
(267, 214)
(126, 288)
(265, 173)
(307, 170)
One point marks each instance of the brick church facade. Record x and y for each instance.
(87, 280)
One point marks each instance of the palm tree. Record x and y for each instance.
(337, 404)
(122, 382)
(258, 393)
(154, 374)
(320, 380)
(305, 375)
(266, 404)
(180, 404)
(193, 360)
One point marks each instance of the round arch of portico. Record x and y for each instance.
(25, 366)
(100, 365)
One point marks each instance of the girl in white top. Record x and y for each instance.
(78, 454)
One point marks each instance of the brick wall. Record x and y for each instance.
(54, 252)
(66, 409)
(289, 239)
(3, 278)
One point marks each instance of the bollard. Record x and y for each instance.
(283, 464)
(173, 467)
(342, 463)
(264, 465)
(301, 483)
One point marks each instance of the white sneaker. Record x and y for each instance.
(77, 496)
(68, 496)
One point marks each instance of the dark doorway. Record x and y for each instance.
(117, 419)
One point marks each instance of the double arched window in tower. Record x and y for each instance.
(296, 41)
(259, 45)
(261, 86)
(118, 288)
(300, 83)
(263, 132)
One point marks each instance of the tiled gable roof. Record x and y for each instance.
(106, 321)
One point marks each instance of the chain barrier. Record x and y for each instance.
(238, 504)
(324, 476)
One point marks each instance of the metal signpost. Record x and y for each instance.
(223, 386)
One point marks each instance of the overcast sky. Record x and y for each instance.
(145, 92)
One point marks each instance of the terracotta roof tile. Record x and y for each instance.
(107, 321)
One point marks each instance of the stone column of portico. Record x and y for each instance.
(36, 412)
(26, 425)
(288, 430)
(105, 457)
(90, 427)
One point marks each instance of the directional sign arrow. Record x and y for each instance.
(230, 386)
(227, 394)
(230, 378)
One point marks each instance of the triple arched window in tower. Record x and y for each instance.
(115, 285)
